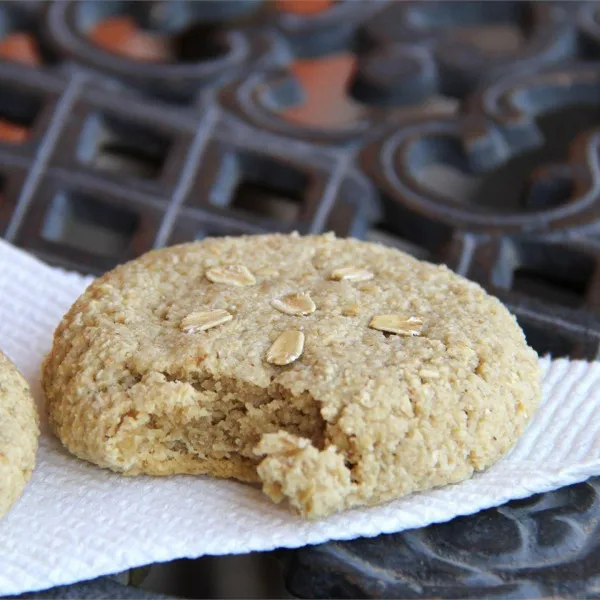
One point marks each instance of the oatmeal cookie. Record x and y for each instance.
(336, 372)
(18, 434)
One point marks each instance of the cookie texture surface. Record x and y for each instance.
(19, 430)
(336, 372)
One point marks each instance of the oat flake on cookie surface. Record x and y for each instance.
(356, 417)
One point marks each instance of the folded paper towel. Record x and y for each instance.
(76, 521)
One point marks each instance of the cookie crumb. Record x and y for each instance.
(315, 482)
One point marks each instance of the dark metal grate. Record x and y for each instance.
(103, 180)
(461, 133)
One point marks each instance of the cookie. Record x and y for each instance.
(336, 372)
(19, 430)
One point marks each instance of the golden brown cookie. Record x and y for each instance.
(18, 434)
(336, 372)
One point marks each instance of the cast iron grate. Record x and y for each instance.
(107, 180)
(460, 134)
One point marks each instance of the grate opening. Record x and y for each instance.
(163, 31)
(18, 40)
(344, 219)
(266, 187)
(87, 224)
(18, 113)
(414, 228)
(187, 229)
(548, 192)
(199, 42)
(555, 274)
(21, 47)
(110, 144)
(267, 201)
(440, 166)
(513, 185)
(128, 29)
(381, 233)
(548, 341)
(553, 287)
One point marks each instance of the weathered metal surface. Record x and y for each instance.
(461, 133)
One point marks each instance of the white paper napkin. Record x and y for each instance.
(76, 521)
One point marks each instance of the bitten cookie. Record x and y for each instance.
(18, 434)
(336, 372)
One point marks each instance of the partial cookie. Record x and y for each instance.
(339, 373)
(19, 432)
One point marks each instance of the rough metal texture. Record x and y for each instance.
(68, 198)
(97, 589)
(462, 133)
(542, 547)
